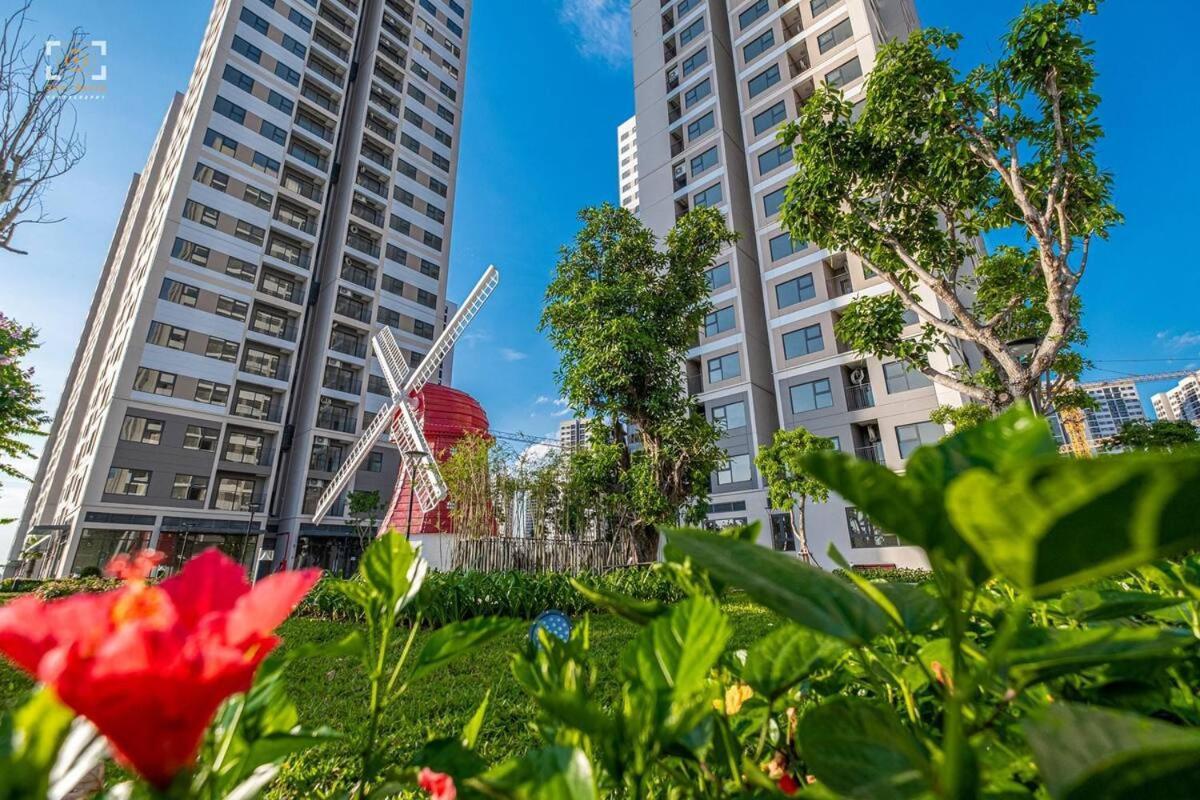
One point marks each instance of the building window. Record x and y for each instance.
(255, 21)
(234, 309)
(783, 246)
(770, 118)
(730, 416)
(238, 78)
(704, 162)
(221, 349)
(764, 80)
(796, 290)
(899, 378)
(190, 487)
(774, 158)
(220, 142)
(708, 197)
(210, 177)
(273, 132)
(250, 233)
(423, 329)
(165, 335)
(758, 46)
(803, 342)
(811, 396)
(216, 394)
(244, 448)
(258, 197)
(691, 32)
(276, 100)
(234, 494)
(834, 36)
(722, 368)
(198, 212)
(719, 321)
(844, 74)
(719, 276)
(695, 61)
(736, 470)
(753, 13)
(131, 482)
(141, 430)
(697, 93)
(863, 532)
(249, 51)
(819, 6)
(231, 110)
(374, 462)
(154, 381)
(910, 437)
(700, 127)
(773, 201)
(197, 437)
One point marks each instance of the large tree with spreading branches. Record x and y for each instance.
(622, 310)
(933, 161)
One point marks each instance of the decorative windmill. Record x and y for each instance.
(399, 415)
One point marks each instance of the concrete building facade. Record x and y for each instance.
(714, 81)
(1117, 403)
(299, 195)
(627, 161)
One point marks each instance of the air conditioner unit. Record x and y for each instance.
(858, 376)
(680, 170)
(355, 229)
(673, 74)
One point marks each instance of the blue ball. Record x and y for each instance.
(553, 622)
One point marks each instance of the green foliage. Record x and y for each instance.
(961, 417)
(1159, 434)
(781, 466)
(622, 313)
(64, 587)
(936, 159)
(20, 400)
(899, 575)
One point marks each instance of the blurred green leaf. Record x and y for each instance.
(457, 639)
(30, 738)
(802, 593)
(1090, 605)
(1043, 653)
(640, 612)
(786, 656)
(394, 569)
(677, 651)
(1088, 753)
(554, 773)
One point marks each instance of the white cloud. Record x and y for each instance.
(601, 28)
(508, 354)
(541, 400)
(1179, 341)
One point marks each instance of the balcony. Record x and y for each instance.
(378, 156)
(281, 288)
(336, 22)
(352, 308)
(298, 185)
(859, 396)
(265, 363)
(337, 417)
(314, 126)
(308, 155)
(318, 67)
(341, 380)
(320, 98)
(367, 213)
(379, 129)
(382, 100)
(347, 344)
(295, 218)
(360, 276)
(387, 78)
(371, 183)
(288, 252)
(331, 46)
(362, 244)
(269, 323)
(872, 451)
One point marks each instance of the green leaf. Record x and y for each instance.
(30, 739)
(920, 611)
(677, 651)
(786, 656)
(457, 639)
(860, 749)
(394, 569)
(555, 773)
(640, 612)
(1090, 605)
(802, 593)
(475, 723)
(1088, 753)
(1052, 525)
(1044, 653)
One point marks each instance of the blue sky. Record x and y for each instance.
(547, 83)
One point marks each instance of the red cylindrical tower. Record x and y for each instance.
(446, 416)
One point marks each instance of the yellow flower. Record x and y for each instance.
(734, 697)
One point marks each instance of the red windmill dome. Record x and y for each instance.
(447, 415)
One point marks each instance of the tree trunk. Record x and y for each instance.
(645, 543)
(801, 533)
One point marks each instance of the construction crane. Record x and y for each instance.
(1074, 420)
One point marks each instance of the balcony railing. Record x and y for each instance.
(333, 418)
(342, 383)
(352, 309)
(870, 452)
(859, 397)
(347, 345)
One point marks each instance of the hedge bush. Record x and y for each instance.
(898, 575)
(453, 596)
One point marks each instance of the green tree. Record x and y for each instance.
(622, 313)
(20, 400)
(1160, 434)
(364, 508)
(789, 485)
(466, 472)
(935, 161)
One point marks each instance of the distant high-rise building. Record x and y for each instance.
(627, 161)
(714, 80)
(572, 434)
(1180, 403)
(299, 195)
(1117, 402)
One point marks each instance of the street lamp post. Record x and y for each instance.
(252, 507)
(1022, 349)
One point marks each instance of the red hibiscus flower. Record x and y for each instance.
(788, 785)
(149, 665)
(439, 785)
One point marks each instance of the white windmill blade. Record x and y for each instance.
(427, 478)
(391, 361)
(470, 307)
(358, 454)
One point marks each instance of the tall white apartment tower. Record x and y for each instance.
(1181, 402)
(1117, 402)
(299, 196)
(714, 80)
(627, 163)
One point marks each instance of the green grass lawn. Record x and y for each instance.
(333, 692)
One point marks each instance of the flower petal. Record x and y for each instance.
(268, 603)
(212, 581)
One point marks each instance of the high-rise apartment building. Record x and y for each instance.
(299, 195)
(627, 161)
(1181, 402)
(572, 434)
(714, 80)
(1117, 402)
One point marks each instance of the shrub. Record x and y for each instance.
(898, 575)
(19, 585)
(64, 587)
